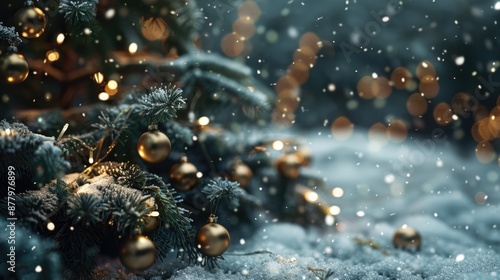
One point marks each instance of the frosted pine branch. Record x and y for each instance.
(161, 105)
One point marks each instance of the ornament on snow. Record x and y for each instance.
(151, 222)
(138, 253)
(13, 66)
(31, 21)
(406, 237)
(288, 165)
(212, 239)
(241, 173)
(154, 146)
(183, 175)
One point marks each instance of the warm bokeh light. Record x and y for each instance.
(103, 96)
(311, 196)
(249, 10)
(334, 210)
(416, 104)
(286, 83)
(310, 40)
(401, 78)
(232, 45)
(443, 114)
(425, 68)
(485, 152)
(60, 38)
(369, 87)
(52, 55)
(481, 113)
(203, 121)
(132, 48)
(342, 128)
(99, 77)
(299, 72)
(397, 131)
(305, 55)
(112, 84)
(278, 145)
(429, 89)
(244, 27)
(338, 192)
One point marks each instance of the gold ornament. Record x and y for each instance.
(212, 239)
(138, 253)
(154, 146)
(13, 68)
(151, 222)
(183, 175)
(288, 165)
(31, 21)
(406, 237)
(241, 173)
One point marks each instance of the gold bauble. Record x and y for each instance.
(183, 175)
(31, 22)
(241, 173)
(407, 237)
(154, 146)
(288, 165)
(138, 253)
(13, 68)
(212, 239)
(151, 222)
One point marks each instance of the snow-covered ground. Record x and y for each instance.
(454, 202)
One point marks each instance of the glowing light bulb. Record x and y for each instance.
(132, 48)
(60, 38)
(203, 121)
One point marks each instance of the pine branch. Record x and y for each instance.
(180, 132)
(125, 174)
(223, 189)
(85, 209)
(78, 12)
(9, 35)
(33, 208)
(161, 105)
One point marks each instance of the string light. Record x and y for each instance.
(203, 121)
(52, 55)
(311, 196)
(99, 77)
(60, 38)
(278, 145)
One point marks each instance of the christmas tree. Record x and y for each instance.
(137, 142)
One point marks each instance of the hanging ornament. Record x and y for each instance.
(151, 222)
(153, 145)
(406, 237)
(212, 239)
(183, 175)
(31, 21)
(288, 165)
(13, 67)
(241, 173)
(138, 253)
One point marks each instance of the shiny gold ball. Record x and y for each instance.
(212, 239)
(151, 222)
(13, 68)
(241, 173)
(154, 146)
(183, 176)
(288, 165)
(138, 253)
(31, 21)
(406, 237)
